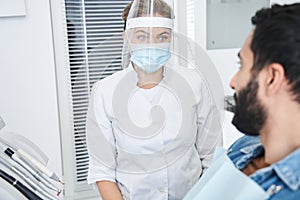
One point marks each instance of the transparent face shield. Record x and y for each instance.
(148, 39)
(155, 127)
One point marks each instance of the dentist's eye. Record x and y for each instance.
(142, 37)
(163, 38)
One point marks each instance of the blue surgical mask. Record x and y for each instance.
(150, 58)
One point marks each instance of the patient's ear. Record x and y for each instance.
(275, 78)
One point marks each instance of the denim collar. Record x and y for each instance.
(288, 170)
(249, 153)
(244, 150)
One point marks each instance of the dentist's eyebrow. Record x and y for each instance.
(142, 31)
(164, 33)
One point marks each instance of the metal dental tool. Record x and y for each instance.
(19, 186)
(33, 161)
(229, 103)
(39, 165)
(31, 170)
(38, 190)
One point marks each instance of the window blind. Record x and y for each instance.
(94, 46)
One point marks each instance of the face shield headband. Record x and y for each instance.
(149, 22)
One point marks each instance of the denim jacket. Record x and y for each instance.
(280, 180)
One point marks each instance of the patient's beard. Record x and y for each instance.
(250, 115)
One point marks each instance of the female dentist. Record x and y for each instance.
(149, 126)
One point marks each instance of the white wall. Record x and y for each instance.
(28, 98)
(225, 61)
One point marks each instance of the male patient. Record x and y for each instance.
(267, 99)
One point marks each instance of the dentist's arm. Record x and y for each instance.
(101, 147)
(109, 190)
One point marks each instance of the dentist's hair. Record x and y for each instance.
(142, 8)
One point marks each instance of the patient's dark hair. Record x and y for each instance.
(276, 39)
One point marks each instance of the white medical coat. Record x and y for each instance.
(164, 165)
